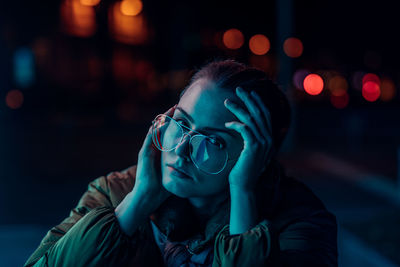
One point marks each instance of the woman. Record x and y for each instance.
(206, 190)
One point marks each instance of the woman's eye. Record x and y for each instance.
(218, 141)
(183, 122)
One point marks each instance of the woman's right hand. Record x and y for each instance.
(148, 192)
(148, 175)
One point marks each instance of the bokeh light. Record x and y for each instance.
(233, 39)
(371, 91)
(313, 84)
(14, 99)
(298, 78)
(341, 100)
(293, 47)
(259, 44)
(24, 67)
(388, 90)
(90, 2)
(339, 92)
(371, 77)
(78, 19)
(131, 7)
(337, 84)
(127, 29)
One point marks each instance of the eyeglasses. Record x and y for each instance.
(207, 153)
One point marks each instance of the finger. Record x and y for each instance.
(253, 108)
(267, 114)
(147, 148)
(243, 116)
(244, 130)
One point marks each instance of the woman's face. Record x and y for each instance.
(200, 107)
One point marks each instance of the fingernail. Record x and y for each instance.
(239, 90)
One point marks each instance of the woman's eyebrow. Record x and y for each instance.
(230, 132)
(185, 113)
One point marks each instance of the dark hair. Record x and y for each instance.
(229, 74)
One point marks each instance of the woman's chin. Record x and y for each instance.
(176, 186)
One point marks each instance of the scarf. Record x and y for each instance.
(178, 254)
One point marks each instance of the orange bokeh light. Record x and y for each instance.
(338, 92)
(340, 101)
(388, 90)
(14, 99)
(337, 82)
(233, 39)
(90, 2)
(293, 47)
(259, 44)
(131, 7)
(313, 84)
(371, 91)
(78, 19)
(127, 29)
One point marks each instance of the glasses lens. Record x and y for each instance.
(167, 133)
(208, 155)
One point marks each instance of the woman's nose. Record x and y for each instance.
(182, 150)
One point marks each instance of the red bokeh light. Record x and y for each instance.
(370, 77)
(341, 100)
(14, 99)
(371, 91)
(313, 84)
(293, 47)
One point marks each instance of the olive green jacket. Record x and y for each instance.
(294, 229)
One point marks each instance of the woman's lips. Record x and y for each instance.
(178, 173)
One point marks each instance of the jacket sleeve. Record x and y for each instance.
(91, 227)
(307, 242)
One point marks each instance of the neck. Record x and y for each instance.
(206, 206)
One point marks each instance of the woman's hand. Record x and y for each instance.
(254, 126)
(148, 175)
(148, 192)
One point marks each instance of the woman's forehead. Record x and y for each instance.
(204, 102)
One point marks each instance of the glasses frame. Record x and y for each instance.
(190, 141)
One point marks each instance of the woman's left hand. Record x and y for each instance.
(254, 126)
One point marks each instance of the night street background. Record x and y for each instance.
(81, 81)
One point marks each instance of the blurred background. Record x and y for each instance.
(80, 81)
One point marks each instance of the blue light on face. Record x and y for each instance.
(24, 67)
